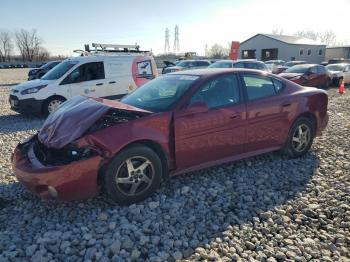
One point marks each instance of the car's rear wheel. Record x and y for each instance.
(300, 138)
(52, 104)
(327, 83)
(132, 175)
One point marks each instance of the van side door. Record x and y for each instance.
(87, 79)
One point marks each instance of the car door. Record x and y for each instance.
(87, 79)
(313, 78)
(322, 76)
(216, 133)
(347, 74)
(268, 112)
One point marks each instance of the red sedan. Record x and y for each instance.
(174, 124)
(308, 75)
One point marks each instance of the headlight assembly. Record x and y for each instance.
(32, 90)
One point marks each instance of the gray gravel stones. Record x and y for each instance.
(267, 208)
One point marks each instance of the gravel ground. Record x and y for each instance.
(266, 208)
(13, 76)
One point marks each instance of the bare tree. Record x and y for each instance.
(277, 31)
(43, 54)
(217, 51)
(6, 45)
(327, 37)
(28, 43)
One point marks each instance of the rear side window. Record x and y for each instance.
(258, 87)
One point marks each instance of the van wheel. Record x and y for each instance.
(300, 138)
(132, 175)
(52, 104)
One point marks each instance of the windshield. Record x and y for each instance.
(293, 63)
(59, 70)
(184, 63)
(160, 94)
(47, 65)
(335, 67)
(222, 64)
(298, 69)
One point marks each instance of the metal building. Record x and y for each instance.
(338, 52)
(270, 47)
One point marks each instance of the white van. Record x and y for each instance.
(109, 75)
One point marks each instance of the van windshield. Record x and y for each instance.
(59, 70)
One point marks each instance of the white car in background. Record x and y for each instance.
(339, 72)
(101, 74)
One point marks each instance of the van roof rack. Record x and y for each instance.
(110, 48)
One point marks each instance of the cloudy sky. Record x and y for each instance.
(66, 25)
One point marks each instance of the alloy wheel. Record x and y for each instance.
(134, 176)
(53, 105)
(301, 138)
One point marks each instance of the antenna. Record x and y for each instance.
(176, 40)
(166, 46)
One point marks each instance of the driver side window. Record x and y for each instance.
(313, 70)
(221, 92)
(86, 72)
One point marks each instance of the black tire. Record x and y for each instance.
(291, 147)
(118, 169)
(328, 83)
(49, 101)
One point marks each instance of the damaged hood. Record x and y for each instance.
(74, 117)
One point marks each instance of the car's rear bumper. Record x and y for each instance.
(26, 106)
(77, 180)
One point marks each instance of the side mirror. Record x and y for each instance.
(197, 107)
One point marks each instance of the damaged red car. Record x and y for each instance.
(174, 124)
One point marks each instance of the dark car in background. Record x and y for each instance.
(37, 73)
(171, 125)
(186, 65)
(250, 64)
(308, 75)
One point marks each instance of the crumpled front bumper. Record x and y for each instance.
(77, 180)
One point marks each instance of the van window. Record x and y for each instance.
(85, 72)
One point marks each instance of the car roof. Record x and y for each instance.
(216, 71)
(339, 64)
(240, 61)
(307, 65)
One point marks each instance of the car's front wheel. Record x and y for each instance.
(133, 175)
(300, 138)
(52, 104)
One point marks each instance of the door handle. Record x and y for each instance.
(286, 104)
(234, 116)
(111, 82)
(92, 90)
(99, 84)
